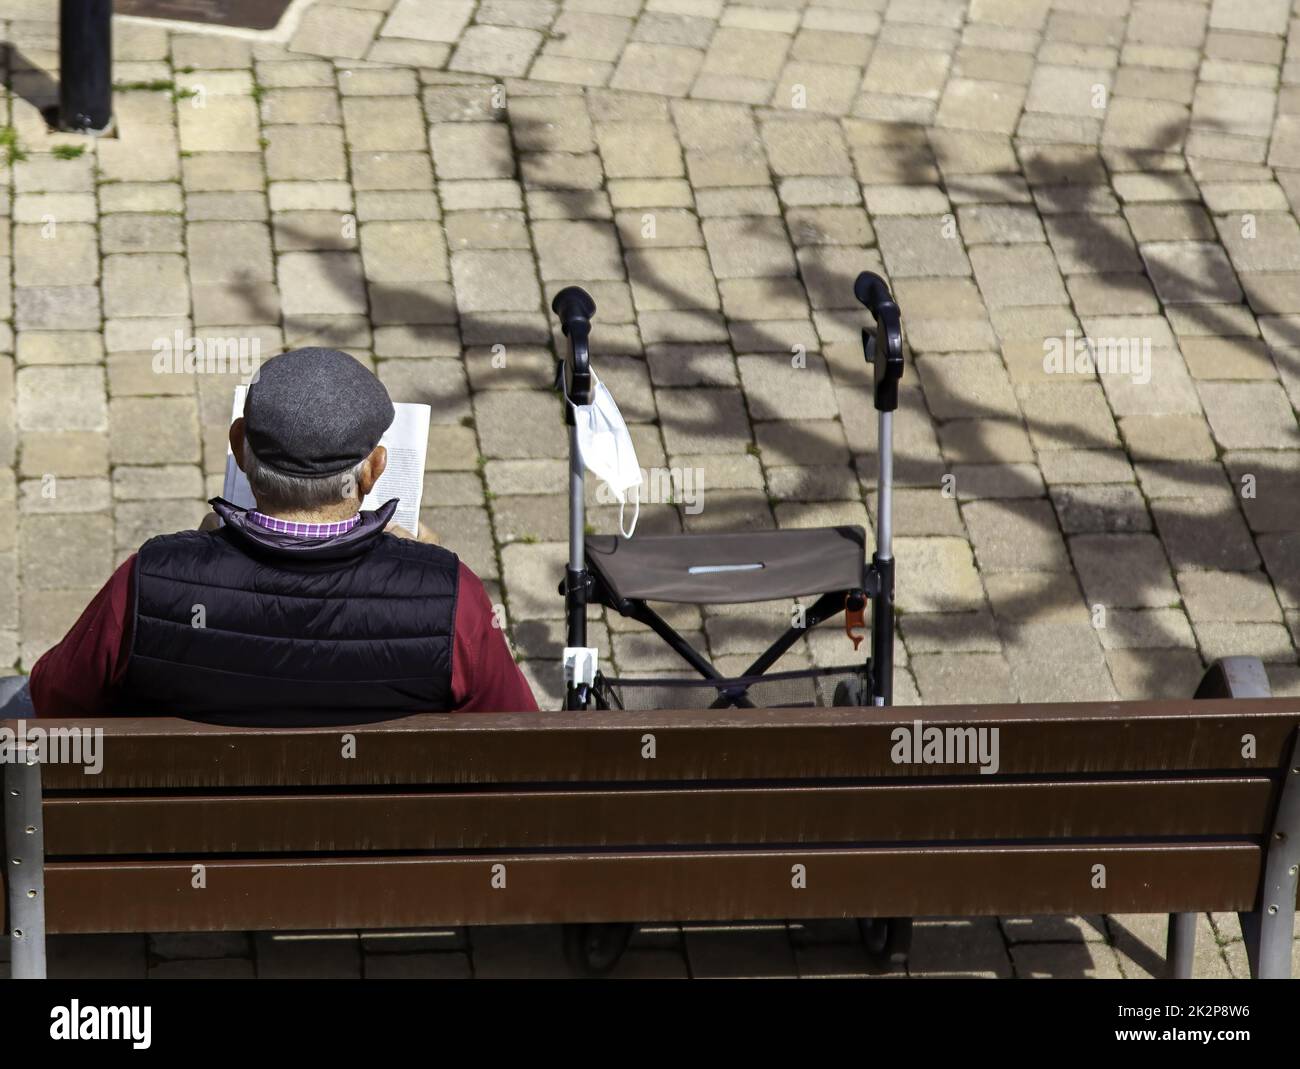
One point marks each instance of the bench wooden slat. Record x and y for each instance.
(979, 808)
(379, 892)
(780, 744)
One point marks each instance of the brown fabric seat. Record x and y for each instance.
(725, 569)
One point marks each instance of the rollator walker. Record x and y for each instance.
(828, 564)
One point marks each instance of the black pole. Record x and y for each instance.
(882, 633)
(85, 65)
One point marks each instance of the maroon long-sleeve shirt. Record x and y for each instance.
(78, 677)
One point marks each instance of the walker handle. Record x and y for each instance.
(575, 308)
(873, 292)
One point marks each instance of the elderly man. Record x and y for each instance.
(303, 605)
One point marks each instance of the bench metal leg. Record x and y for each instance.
(24, 860)
(1270, 930)
(1180, 948)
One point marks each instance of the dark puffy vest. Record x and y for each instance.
(244, 620)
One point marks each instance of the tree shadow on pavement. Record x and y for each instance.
(1039, 619)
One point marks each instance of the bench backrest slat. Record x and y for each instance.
(761, 744)
(975, 809)
(371, 894)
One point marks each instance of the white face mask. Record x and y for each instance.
(605, 448)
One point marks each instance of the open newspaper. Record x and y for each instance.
(406, 440)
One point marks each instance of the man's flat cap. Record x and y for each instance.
(315, 412)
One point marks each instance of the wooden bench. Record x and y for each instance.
(1143, 807)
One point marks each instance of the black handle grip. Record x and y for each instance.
(575, 308)
(884, 348)
(571, 304)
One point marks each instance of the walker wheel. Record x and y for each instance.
(887, 941)
(594, 949)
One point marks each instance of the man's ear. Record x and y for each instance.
(237, 441)
(371, 469)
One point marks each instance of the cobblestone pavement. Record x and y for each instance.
(413, 180)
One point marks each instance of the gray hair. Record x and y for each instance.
(299, 492)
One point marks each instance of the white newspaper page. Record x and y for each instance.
(406, 440)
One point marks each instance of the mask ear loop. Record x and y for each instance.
(636, 511)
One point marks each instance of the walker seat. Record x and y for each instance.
(729, 568)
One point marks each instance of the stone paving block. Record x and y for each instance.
(1067, 416)
(153, 430)
(668, 69)
(305, 153)
(1205, 533)
(586, 250)
(321, 283)
(1281, 554)
(1249, 415)
(936, 575)
(989, 441)
(1191, 272)
(223, 124)
(495, 50)
(590, 35)
(665, 279)
(64, 255)
(1123, 571)
(764, 299)
(300, 105)
(140, 232)
(1112, 294)
(702, 420)
(971, 385)
(1024, 275)
(923, 245)
(61, 399)
(494, 281)
(1270, 642)
(1015, 536)
(383, 124)
(999, 224)
(1167, 438)
(428, 20)
(962, 678)
(984, 105)
(145, 284)
(776, 389)
(1096, 508)
(748, 247)
(1124, 629)
(1229, 597)
(907, 72)
(1055, 662)
(404, 252)
(336, 31)
(228, 253)
(1169, 222)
